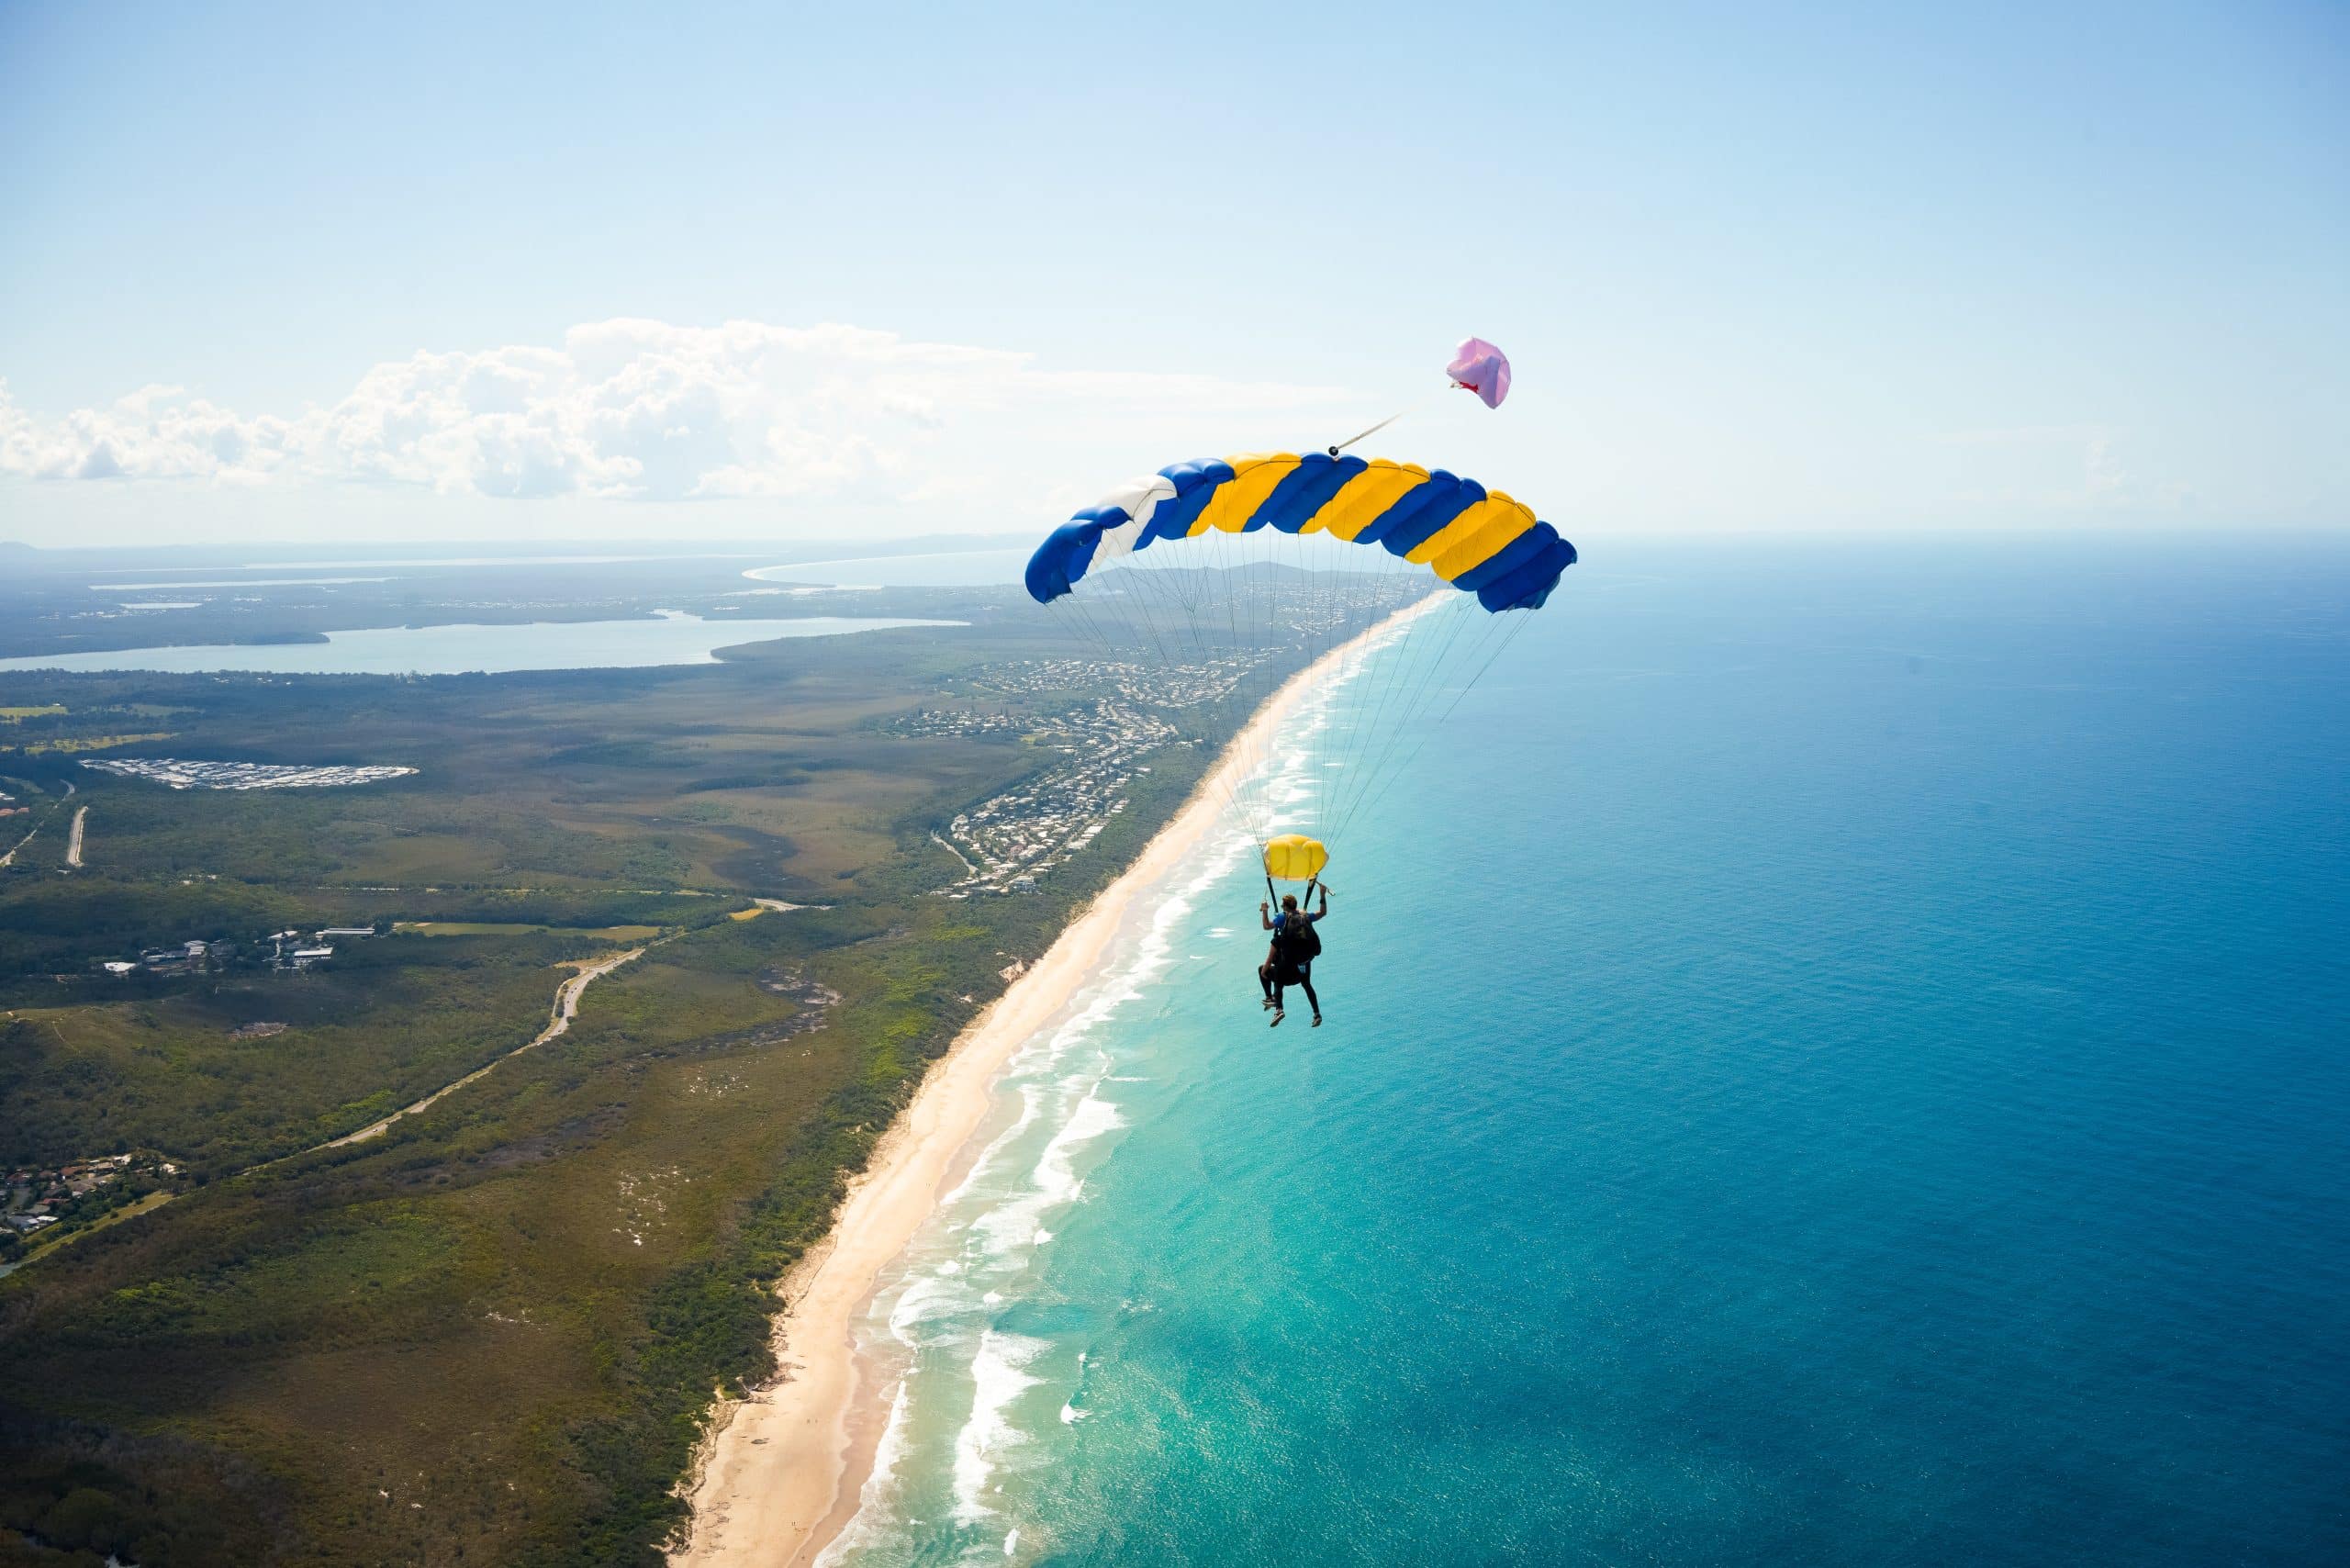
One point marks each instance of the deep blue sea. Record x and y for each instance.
(1840, 1056)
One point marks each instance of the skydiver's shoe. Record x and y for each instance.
(1278, 1016)
(1317, 1019)
(1269, 1004)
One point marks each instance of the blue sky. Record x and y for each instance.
(1827, 269)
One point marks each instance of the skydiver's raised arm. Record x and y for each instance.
(1263, 915)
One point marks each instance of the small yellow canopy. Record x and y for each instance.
(1293, 857)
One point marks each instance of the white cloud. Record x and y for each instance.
(2057, 471)
(645, 410)
(155, 432)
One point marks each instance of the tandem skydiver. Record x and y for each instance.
(1290, 960)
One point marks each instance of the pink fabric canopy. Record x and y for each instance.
(1483, 369)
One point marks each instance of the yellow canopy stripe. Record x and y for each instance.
(1293, 857)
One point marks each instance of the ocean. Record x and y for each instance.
(1838, 1057)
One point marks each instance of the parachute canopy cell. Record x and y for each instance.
(1481, 541)
(1293, 857)
(1482, 368)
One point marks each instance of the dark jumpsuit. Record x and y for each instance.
(1275, 973)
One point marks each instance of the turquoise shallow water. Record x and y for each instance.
(1837, 1058)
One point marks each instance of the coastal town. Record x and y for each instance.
(38, 1197)
(281, 950)
(179, 775)
(1157, 686)
(1009, 840)
(1006, 843)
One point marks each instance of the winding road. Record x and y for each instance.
(566, 1007)
(9, 857)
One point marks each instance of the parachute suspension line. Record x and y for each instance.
(1134, 612)
(1188, 587)
(1387, 663)
(1247, 595)
(1395, 675)
(1380, 687)
(1136, 629)
(1410, 733)
(1401, 702)
(1446, 661)
(1344, 711)
(1349, 716)
(1083, 614)
(1247, 760)
(1383, 682)
(1508, 638)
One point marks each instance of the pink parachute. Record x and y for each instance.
(1481, 368)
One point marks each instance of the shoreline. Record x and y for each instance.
(780, 1472)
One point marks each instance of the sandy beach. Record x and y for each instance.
(780, 1475)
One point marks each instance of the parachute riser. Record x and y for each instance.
(1303, 901)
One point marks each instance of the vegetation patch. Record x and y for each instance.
(491, 1334)
(87, 743)
(509, 928)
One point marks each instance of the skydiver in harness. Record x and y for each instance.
(1290, 960)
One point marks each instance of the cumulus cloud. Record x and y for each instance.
(2059, 469)
(638, 409)
(155, 432)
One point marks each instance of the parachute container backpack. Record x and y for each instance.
(1204, 585)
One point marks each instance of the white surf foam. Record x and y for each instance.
(997, 1378)
(878, 1484)
(924, 1308)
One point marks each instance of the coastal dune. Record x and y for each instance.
(780, 1476)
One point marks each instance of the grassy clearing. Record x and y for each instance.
(87, 743)
(507, 928)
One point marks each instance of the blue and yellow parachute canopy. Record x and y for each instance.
(1479, 541)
